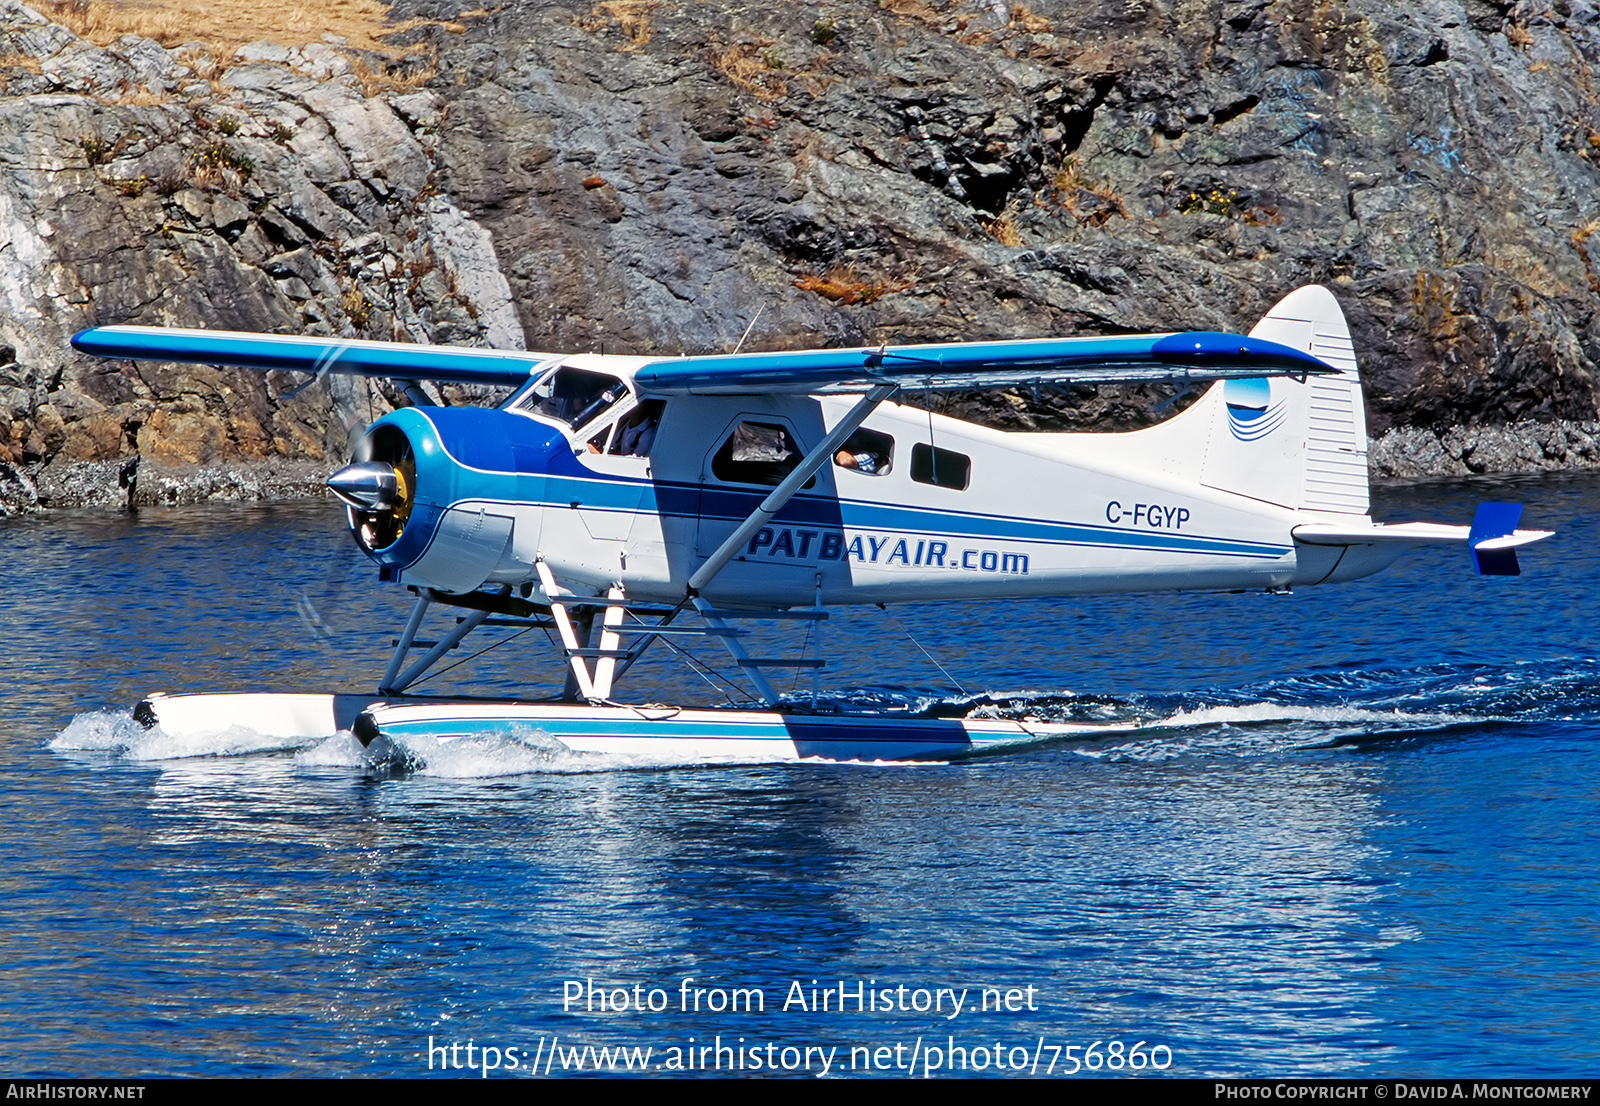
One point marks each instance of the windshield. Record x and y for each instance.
(575, 397)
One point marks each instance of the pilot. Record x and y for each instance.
(637, 431)
(635, 440)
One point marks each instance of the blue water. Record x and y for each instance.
(1354, 835)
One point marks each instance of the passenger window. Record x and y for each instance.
(575, 396)
(944, 467)
(636, 431)
(757, 453)
(866, 451)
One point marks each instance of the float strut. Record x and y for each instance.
(468, 624)
(407, 636)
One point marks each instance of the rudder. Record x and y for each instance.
(1298, 444)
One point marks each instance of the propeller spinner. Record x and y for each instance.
(370, 486)
(377, 488)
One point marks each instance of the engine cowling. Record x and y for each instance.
(432, 494)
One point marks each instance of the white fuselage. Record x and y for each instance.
(1013, 514)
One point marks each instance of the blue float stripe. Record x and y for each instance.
(857, 731)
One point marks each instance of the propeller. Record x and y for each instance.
(377, 487)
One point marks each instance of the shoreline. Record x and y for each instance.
(1403, 455)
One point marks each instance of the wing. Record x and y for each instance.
(1195, 356)
(1198, 355)
(455, 364)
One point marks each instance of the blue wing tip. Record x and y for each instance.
(1211, 347)
(84, 341)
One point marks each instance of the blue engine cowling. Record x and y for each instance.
(432, 493)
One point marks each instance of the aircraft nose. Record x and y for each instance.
(369, 486)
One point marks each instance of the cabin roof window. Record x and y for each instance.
(866, 451)
(943, 467)
(757, 453)
(574, 396)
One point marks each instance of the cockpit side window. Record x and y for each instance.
(636, 431)
(574, 396)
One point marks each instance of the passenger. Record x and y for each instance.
(865, 461)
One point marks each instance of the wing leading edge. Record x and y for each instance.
(1198, 355)
(455, 364)
(1195, 356)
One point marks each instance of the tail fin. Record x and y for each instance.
(1298, 444)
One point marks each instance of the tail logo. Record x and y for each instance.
(1251, 413)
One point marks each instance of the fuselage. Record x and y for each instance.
(610, 489)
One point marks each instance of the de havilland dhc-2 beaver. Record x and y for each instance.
(614, 496)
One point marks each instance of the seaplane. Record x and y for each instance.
(628, 500)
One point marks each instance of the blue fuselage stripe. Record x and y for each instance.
(715, 506)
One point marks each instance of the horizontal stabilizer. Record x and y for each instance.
(1493, 536)
(1196, 356)
(402, 360)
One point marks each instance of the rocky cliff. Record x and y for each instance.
(644, 175)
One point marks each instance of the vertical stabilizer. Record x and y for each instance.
(1298, 444)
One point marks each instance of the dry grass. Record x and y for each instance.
(914, 9)
(20, 61)
(630, 17)
(843, 284)
(375, 79)
(102, 21)
(1021, 20)
(1003, 228)
(1024, 19)
(749, 65)
(1579, 238)
(138, 96)
(759, 69)
(1090, 203)
(225, 25)
(454, 26)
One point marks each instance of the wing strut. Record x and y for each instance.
(791, 484)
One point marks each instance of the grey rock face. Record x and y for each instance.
(647, 177)
(1077, 167)
(261, 199)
